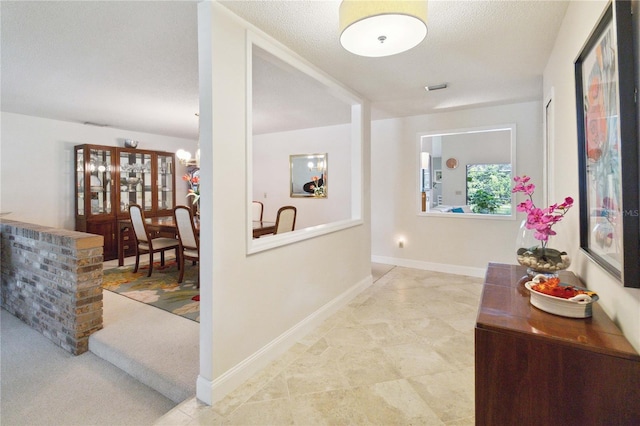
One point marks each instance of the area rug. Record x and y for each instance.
(161, 289)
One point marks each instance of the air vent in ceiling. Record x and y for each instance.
(435, 87)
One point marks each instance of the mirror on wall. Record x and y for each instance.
(308, 175)
(467, 172)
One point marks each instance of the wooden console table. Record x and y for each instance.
(535, 368)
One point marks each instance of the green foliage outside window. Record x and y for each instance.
(489, 188)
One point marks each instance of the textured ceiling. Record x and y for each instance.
(133, 65)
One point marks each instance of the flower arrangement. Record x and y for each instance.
(318, 186)
(194, 186)
(541, 222)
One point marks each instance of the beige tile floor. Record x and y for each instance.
(400, 353)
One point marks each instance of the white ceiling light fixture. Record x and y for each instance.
(382, 28)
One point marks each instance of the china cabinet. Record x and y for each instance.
(109, 179)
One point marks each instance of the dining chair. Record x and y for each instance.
(145, 241)
(188, 238)
(258, 209)
(285, 219)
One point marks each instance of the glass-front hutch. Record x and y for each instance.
(109, 179)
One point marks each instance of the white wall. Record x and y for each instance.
(271, 173)
(451, 243)
(254, 306)
(622, 304)
(37, 165)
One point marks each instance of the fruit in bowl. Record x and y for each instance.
(550, 295)
(551, 286)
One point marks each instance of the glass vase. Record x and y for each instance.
(537, 258)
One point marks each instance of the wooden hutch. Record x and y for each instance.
(108, 179)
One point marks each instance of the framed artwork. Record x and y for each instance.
(608, 146)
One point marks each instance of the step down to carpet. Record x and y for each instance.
(157, 348)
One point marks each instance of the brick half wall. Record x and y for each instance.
(51, 280)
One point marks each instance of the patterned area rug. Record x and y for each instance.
(161, 289)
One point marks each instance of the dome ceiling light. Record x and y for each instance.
(382, 28)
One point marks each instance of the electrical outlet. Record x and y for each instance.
(265, 195)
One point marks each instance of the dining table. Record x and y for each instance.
(166, 226)
(261, 227)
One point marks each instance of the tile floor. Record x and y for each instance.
(400, 353)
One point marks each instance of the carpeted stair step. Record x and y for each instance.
(157, 348)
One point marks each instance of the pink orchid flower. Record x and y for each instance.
(539, 220)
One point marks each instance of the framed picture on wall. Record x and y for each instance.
(608, 146)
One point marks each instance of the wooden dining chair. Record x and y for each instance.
(188, 238)
(286, 219)
(145, 240)
(258, 209)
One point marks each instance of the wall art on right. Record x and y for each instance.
(608, 146)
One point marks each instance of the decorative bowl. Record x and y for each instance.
(579, 306)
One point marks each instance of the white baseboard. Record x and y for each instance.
(210, 392)
(428, 266)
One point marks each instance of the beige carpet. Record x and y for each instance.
(42, 384)
(156, 347)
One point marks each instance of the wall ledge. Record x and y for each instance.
(51, 279)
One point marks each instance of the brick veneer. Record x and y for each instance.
(51, 280)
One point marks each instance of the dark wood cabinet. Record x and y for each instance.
(106, 228)
(535, 368)
(108, 179)
(128, 243)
